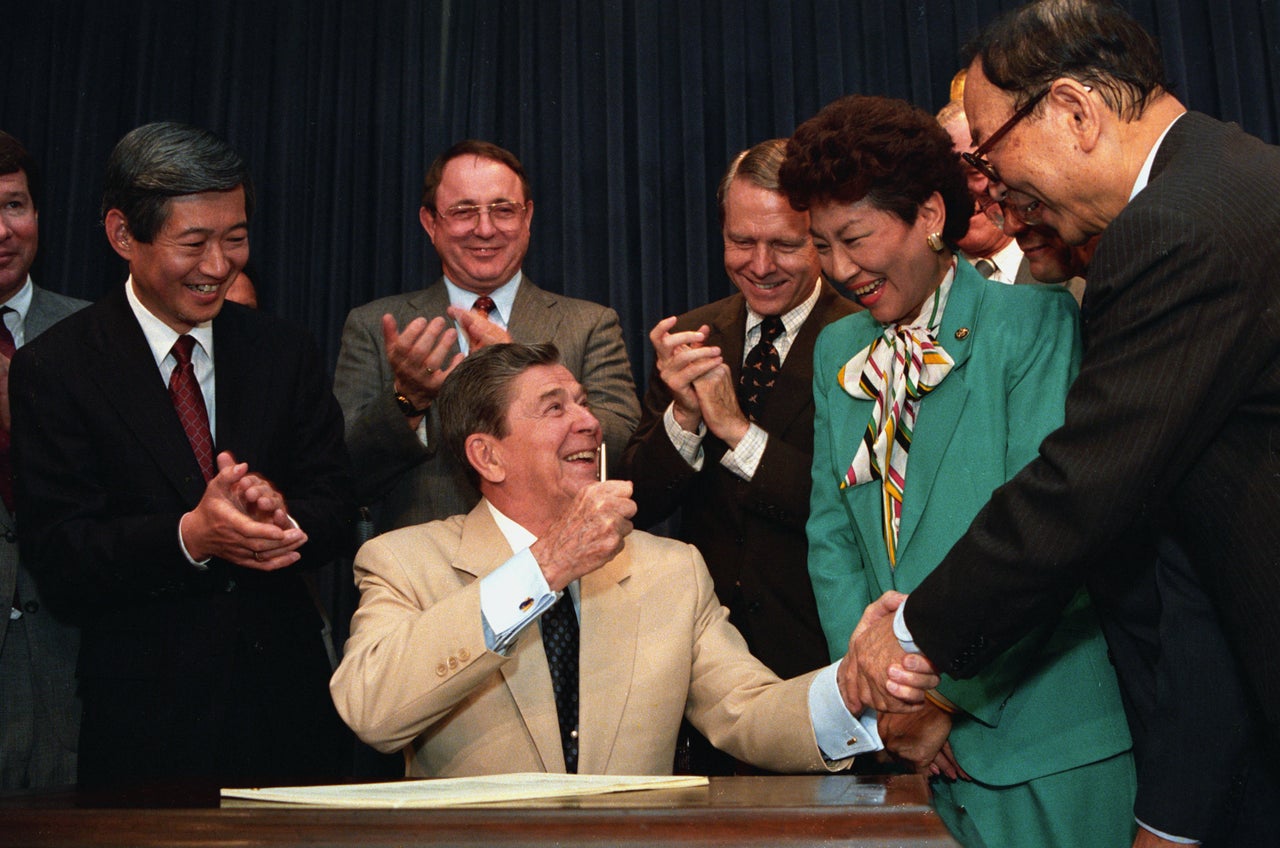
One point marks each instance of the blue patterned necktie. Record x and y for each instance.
(560, 641)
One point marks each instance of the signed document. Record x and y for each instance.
(451, 791)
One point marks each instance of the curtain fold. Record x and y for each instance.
(625, 112)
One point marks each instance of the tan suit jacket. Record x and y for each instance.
(656, 645)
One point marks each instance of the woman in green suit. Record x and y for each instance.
(964, 377)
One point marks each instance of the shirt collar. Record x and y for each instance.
(793, 320)
(1144, 175)
(504, 297)
(160, 336)
(1007, 260)
(20, 303)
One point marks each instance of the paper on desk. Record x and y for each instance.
(447, 792)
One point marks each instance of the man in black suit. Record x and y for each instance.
(1170, 425)
(180, 463)
(743, 480)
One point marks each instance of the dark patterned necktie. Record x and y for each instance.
(560, 640)
(985, 267)
(484, 304)
(7, 348)
(184, 391)
(760, 369)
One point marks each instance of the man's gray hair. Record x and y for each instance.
(476, 395)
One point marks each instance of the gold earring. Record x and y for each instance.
(934, 240)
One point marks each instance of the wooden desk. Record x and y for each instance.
(782, 812)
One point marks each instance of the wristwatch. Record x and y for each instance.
(407, 407)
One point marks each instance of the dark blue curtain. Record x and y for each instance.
(624, 112)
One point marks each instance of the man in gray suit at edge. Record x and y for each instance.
(41, 715)
(397, 351)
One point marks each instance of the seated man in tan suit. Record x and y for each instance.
(453, 650)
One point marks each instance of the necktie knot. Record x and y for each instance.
(7, 345)
(484, 304)
(985, 267)
(770, 328)
(182, 350)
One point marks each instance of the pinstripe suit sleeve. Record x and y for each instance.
(1152, 391)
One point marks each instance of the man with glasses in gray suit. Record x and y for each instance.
(397, 351)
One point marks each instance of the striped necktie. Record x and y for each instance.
(894, 372)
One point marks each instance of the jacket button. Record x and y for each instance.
(464, 654)
(441, 671)
(453, 662)
(31, 606)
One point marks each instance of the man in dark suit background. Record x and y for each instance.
(396, 351)
(743, 481)
(201, 654)
(1170, 425)
(40, 721)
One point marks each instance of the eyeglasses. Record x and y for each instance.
(506, 215)
(1028, 212)
(978, 158)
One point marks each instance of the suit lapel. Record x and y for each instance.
(40, 317)
(231, 365)
(610, 639)
(123, 368)
(849, 418)
(534, 318)
(482, 549)
(939, 412)
(428, 303)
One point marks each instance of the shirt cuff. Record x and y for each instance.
(688, 445)
(511, 597)
(900, 630)
(839, 733)
(745, 458)
(421, 431)
(202, 564)
(1181, 840)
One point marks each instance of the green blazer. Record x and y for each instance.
(1052, 703)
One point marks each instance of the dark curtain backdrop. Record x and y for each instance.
(625, 112)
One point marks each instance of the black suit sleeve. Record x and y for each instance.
(1166, 364)
(88, 537)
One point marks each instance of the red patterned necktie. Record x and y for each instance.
(184, 390)
(760, 369)
(484, 304)
(7, 348)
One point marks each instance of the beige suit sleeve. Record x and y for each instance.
(739, 704)
(417, 643)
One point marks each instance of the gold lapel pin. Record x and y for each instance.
(962, 333)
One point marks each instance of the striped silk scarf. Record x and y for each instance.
(895, 371)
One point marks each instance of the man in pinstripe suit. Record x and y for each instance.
(1171, 428)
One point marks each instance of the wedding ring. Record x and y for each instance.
(430, 370)
(257, 556)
